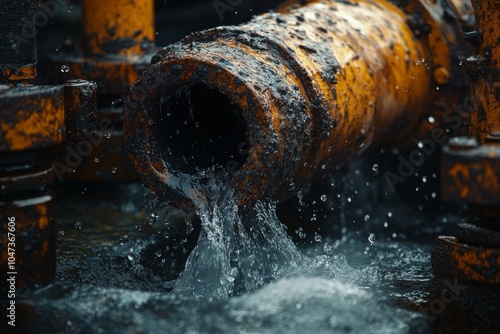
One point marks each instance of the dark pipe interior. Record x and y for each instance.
(201, 128)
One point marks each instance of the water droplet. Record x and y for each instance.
(96, 160)
(437, 88)
(78, 225)
(349, 199)
(323, 198)
(323, 167)
(375, 168)
(386, 224)
(125, 239)
(371, 238)
(433, 195)
(113, 170)
(367, 217)
(300, 233)
(153, 218)
(317, 238)
(130, 257)
(424, 179)
(64, 68)
(431, 119)
(158, 253)
(389, 214)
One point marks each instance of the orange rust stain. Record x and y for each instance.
(43, 218)
(472, 263)
(489, 179)
(42, 121)
(110, 71)
(23, 73)
(458, 173)
(119, 21)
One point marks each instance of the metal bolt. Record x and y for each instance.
(463, 143)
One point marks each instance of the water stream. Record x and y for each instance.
(238, 250)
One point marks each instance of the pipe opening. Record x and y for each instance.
(201, 128)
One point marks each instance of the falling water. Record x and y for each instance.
(238, 250)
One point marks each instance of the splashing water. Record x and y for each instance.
(236, 251)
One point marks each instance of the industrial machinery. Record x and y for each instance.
(272, 105)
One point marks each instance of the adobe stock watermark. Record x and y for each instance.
(224, 6)
(449, 294)
(453, 119)
(77, 152)
(42, 16)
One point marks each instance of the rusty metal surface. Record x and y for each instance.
(106, 162)
(80, 106)
(32, 117)
(473, 231)
(18, 56)
(315, 85)
(484, 69)
(17, 74)
(118, 41)
(20, 181)
(27, 197)
(114, 74)
(451, 258)
(118, 27)
(471, 175)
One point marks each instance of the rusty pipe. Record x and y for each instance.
(105, 29)
(294, 93)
